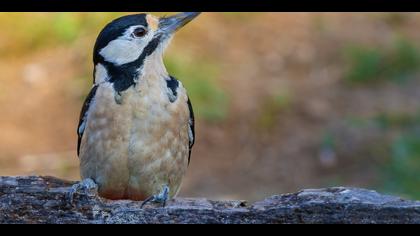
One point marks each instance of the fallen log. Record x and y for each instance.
(33, 199)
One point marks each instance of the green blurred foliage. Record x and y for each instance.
(272, 107)
(386, 120)
(28, 32)
(400, 152)
(395, 19)
(356, 122)
(199, 78)
(66, 27)
(365, 64)
(328, 141)
(397, 120)
(401, 172)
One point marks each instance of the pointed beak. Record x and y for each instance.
(169, 25)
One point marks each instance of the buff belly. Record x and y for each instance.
(133, 149)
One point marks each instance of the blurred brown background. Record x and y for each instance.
(284, 101)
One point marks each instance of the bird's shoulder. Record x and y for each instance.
(83, 115)
(173, 85)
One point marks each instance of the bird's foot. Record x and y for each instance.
(87, 186)
(161, 198)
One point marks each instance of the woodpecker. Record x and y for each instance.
(136, 127)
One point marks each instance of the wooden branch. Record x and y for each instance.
(44, 200)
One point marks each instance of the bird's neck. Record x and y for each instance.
(125, 76)
(153, 68)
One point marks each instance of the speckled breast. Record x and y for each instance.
(133, 149)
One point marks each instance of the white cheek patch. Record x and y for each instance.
(164, 44)
(121, 51)
(126, 49)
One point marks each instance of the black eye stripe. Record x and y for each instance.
(123, 76)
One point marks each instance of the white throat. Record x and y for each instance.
(101, 74)
(153, 65)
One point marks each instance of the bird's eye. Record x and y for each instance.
(139, 32)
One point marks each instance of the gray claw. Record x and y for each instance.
(162, 197)
(86, 185)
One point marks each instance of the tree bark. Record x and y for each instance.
(35, 199)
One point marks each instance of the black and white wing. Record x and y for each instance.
(83, 116)
(172, 83)
(191, 130)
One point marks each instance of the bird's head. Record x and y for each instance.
(126, 43)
